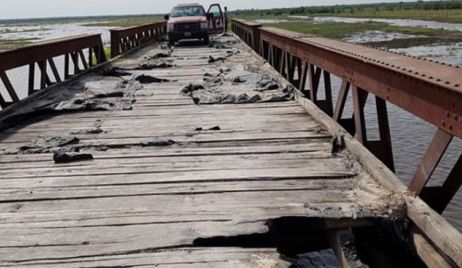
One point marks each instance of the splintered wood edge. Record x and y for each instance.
(434, 226)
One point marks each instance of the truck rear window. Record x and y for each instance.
(188, 11)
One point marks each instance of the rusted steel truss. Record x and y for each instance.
(429, 90)
(126, 39)
(83, 51)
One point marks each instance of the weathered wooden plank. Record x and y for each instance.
(179, 257)
(24, 194)
(269, 148)
(135, 130)
(179, 159)
(189, 177)
(317, 166)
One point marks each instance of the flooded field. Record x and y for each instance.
(48, 31)
(395, 22)
(410, 135)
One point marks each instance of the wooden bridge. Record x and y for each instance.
(220, 155)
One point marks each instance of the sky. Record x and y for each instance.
(15, 9)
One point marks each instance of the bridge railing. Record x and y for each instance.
(80, 52)
(429, 90)
(247, 31)
(126, 39)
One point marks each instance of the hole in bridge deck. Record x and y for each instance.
(304, 242)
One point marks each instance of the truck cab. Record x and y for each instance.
(190, 21)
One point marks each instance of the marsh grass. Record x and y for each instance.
(14, 43)
(442, 11)
(126, 22)
(445, 15)
(343, 30)
(107, 52)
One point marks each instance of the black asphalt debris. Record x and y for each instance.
(229, 53)
(96, 130)
(215, 128)
(62, 158)
(158, 143)
(225, 87)
(154, 65)
(102, 97)
(158, 56)
(46, 145)
(115, 72)
(213, 59)
(191, 88)
(148, 79)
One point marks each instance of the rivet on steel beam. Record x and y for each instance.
(456, 85)
(447, 82)
(438, 80)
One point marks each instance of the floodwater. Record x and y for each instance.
(394, 22)
(377, 36)
(49, 31)
(41, 32)
(265, 21)
(410, 135)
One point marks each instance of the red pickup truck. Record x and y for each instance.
(190, 21)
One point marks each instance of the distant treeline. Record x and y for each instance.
(76, 19)
(337, 9)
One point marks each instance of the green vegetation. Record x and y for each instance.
(107, 52)
(444, 11)
(7, 31)
(13, 43)
(449, 11)
(92, 19)
(454, 16)
(126, 22)
(342, 30)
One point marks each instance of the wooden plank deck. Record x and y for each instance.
(141, 204)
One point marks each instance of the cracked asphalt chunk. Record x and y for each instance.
(63, 158)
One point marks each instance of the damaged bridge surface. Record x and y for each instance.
(197, 155)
